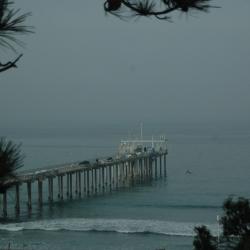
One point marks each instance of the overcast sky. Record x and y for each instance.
(84, 66)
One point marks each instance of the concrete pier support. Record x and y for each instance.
(150, 168)
(132, 172)
(123, 174)
(40, 192)
(165, 165)
(61, 187)
(160, 166)
(70, 186)
(116, 176)
(50, 189)
(155, 165)
(17, 201)
(92, 181)
(76, 183)
(145, 168)
(29, 204)
(67, 185)
(88, 193)
(101, 176)
(103, 180)
(99, 179)
(95, 180)
(5, 204)
(110, 178)
(79, 183)
(84, 182)
(126, 171)
(140, 171)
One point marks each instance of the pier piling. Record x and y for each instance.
(17, 205)
(29, 195)
(89, 179)
(40, 193)
(5, 204)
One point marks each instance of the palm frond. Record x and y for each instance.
(11, 159)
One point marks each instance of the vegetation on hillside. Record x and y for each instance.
(236, 228)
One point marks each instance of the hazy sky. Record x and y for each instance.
(84, 66)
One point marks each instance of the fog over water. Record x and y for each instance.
(82, 66)
(87, 80)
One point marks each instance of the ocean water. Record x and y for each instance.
(155, 215)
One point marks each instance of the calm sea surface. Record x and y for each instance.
(159, 214)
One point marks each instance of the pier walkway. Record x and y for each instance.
(82, 179)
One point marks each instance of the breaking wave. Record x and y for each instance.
(109, 225)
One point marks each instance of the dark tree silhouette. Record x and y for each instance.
(160, 9)
(11, 24)
(236, 228)
(236, 222)
(203, 239)
(11, 159)
(236, 219)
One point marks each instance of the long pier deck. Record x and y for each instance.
(89, 178)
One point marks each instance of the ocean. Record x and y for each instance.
(156, 215)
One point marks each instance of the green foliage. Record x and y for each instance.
(244, 243)
(236, 219)
(203, 239)
(160, 9)
(236, 228)
(11, 24)
(10, 160)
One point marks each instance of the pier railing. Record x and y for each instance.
(83, 179)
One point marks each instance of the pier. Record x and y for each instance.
(84, 179)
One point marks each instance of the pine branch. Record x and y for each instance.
(160, 9)
(10, 64)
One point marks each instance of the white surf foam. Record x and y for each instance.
(109, 225)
